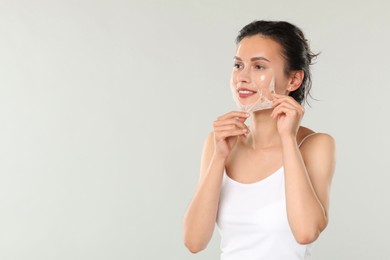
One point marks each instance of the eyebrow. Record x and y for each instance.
(252, 59)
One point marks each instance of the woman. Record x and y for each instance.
(267, 184)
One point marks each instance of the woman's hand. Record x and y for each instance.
(288, 114)
(227, 129)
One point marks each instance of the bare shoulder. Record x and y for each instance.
(319, 154)
(308, 139)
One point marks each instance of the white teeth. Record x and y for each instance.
(245, 92)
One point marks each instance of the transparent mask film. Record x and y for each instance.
(257, 95)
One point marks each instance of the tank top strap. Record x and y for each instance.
(306, 138)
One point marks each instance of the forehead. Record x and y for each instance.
(259, 46)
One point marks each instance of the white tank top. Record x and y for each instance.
(252, 221)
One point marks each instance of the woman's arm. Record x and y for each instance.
(308, 172)
(199, 220)
(308, 176)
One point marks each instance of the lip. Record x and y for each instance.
(245, 92)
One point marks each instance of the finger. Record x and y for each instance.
(234, 114)
(284, 104)
(220, 136)
(287, 105)
(278, 112)
(241, 119)
(278, 95)
(229, 128)
(226, 128)
(233, 121)
(286, 109)
(289, 100)
(284, 98)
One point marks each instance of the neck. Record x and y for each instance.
(263, 130)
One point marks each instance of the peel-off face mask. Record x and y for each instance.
(256, 95)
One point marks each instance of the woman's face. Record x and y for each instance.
(256, 61)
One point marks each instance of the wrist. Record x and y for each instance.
(288, 139)
(219, 157)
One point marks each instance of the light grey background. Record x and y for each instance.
(104, 106)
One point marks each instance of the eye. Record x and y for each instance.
(259, 67)
(237, 66)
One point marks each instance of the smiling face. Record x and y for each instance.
(257, 61)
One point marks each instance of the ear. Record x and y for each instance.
(295, 81)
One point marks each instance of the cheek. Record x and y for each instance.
(281, 83)
(233, 77)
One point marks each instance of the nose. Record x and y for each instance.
(243, 76)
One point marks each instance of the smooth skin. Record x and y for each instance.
(250, 154)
